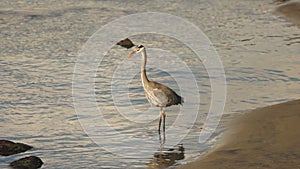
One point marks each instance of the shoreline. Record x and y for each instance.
(262, 138)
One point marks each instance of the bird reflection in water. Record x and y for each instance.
(166, 156)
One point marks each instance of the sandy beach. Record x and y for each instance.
(291, 11)
(263, 138)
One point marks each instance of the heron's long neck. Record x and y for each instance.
(143, 68)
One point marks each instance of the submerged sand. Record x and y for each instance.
(263, 138)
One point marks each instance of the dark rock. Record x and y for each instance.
(126, 43)
(31, 162)
(9, 148)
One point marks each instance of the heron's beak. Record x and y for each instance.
(131, 54)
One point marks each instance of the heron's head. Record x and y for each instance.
(136, 50)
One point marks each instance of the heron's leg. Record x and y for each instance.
(160, 116)
(159, 123)
(164, 120)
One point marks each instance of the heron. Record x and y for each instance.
(156, 93)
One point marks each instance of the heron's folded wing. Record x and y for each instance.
(161, 97)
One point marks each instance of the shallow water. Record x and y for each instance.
(40, 42)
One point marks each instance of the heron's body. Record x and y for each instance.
(156, 93)
(160, 95)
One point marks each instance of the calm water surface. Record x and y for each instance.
(40, 42)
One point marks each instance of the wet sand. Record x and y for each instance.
(263, 138)
(291, 11)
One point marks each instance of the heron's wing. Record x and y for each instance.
(160, 97)
(163, 95)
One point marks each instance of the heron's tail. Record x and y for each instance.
(181, 100)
